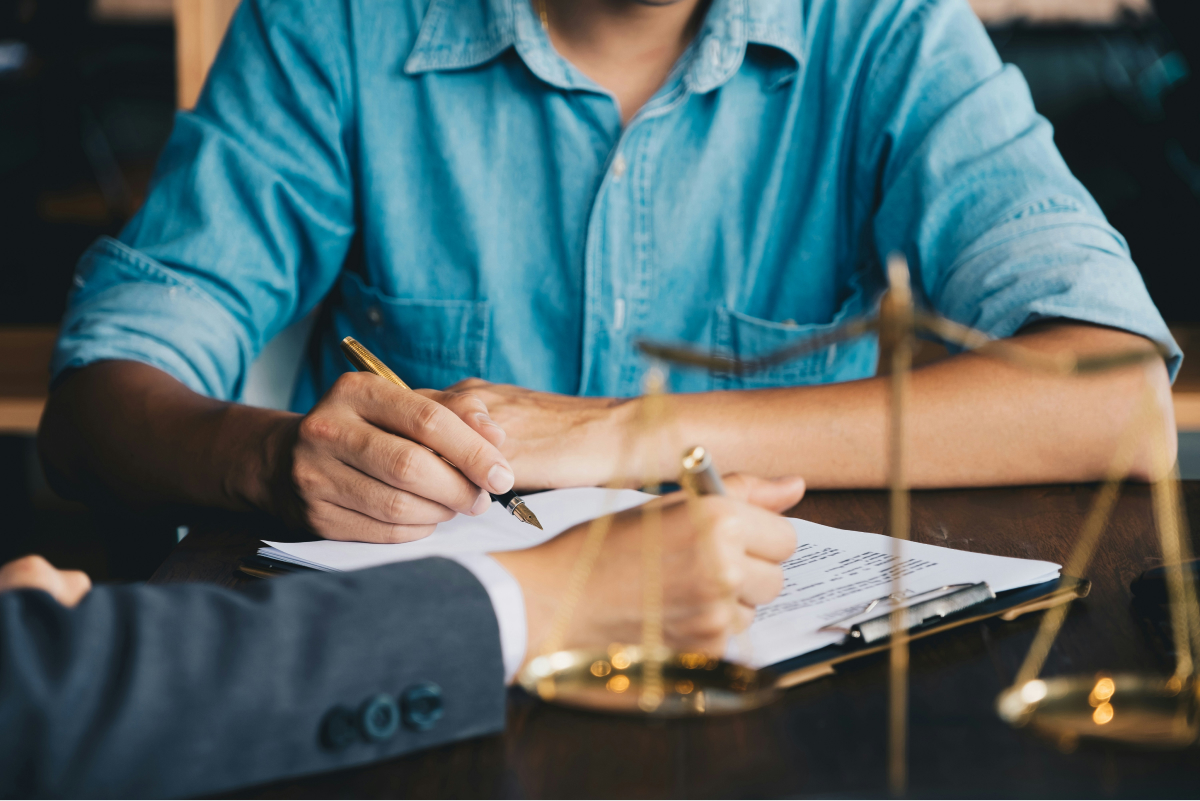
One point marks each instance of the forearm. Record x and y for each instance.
(128, 431)
(972, 421)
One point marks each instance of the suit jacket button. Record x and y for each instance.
(338, 729)
(378, 718)
(421, 706)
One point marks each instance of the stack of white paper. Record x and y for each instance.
(832, 575)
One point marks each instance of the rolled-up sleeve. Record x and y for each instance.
(249, 215)
(966, 181)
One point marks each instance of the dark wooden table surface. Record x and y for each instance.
(826, 738)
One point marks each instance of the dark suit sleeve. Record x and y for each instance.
(190, 689)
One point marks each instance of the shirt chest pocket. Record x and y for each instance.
(741, 336)
(428, 343)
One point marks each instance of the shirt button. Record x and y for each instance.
(374, 315)
(618, 166)
(338, 729)
(378, 718)
(421, 706)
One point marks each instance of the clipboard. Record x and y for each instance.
(1006, 606)
(262, 567)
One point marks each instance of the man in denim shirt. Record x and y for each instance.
(517, 190)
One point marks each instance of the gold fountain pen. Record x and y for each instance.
(367, 362)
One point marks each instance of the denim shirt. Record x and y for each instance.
(465, 202)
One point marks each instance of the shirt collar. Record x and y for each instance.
(460, 34)
(731, 25)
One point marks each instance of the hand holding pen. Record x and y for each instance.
(368, 362)
(359, 465)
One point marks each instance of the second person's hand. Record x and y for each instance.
(358, 466)
(554, 440)
(68, 587)
(720, 559)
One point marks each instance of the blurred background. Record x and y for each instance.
(88, 89)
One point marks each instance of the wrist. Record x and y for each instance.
(260, 457)
(542, 573)
(608, 434)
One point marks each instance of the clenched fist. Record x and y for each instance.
(719, 561)
(34, 573)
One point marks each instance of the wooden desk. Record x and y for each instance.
(826, 738)
(1186, 392)
(24, 376)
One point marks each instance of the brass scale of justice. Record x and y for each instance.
(1156, 711)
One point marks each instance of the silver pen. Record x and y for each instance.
(699, 476)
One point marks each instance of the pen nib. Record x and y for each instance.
(522, 513)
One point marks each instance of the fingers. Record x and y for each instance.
(717, 566)
(743, 617)
(359, 424)
(33, 572)
(74, 584)
(335, 522)
(360, 492)
(28, 571)
(362, 463)
(769, 537)
(325, 446)
(732, 570)
(417, 418)
(707, 630)
(707, 626)
(762, 581)
(471, 409)
(469, 384)
(748, 529)
(777, 495)
(704, 628)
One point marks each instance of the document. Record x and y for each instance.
(832, 577)
(494, 530)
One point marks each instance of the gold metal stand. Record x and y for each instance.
(897, 331)
(617, 680)
(1140, 709)
(649, 679)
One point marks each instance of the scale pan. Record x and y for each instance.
(613, 681)
(1132, 708)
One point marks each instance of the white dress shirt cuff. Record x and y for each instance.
(508, 602)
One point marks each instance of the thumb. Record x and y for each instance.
(73, 585)
(776, 495)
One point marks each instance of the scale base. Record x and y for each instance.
(1145, 710)
(614, 681)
